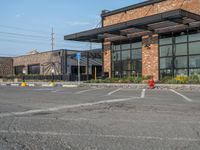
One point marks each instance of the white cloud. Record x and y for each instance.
(19, 15)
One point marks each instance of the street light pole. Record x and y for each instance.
(52, 73)
(23, 78)
(79, 77)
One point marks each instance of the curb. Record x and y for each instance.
(181, 87)
(72, 85)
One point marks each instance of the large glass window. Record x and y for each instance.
(165, 41)
(181, 39)
(181, 49)
(180, 62)
(166, 51)
(126, 55)
(126, 46)
(126, 59)
(165, 72)
(194, 37)
(34, 69)
(194, 48)
(194, 71)
(165, 63)
(136, 45)
(180, 72)
(137, 54)
(194, 61)
(180, 54)
(19, 70)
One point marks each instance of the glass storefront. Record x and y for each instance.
(126, 59)
(179, 54)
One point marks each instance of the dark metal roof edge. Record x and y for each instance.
(145, 3)
(99, 30)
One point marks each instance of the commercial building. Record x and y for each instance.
(154, 38)
(6, 66)
(58, 62)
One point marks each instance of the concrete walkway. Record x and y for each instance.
(187, 87)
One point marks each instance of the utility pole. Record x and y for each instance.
(53, 65)
(52, 39)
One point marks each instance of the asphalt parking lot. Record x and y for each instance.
(98, 119)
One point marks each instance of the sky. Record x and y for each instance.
(26, 25)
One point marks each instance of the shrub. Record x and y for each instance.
(194, 79)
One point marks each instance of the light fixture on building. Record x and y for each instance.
(182, 33)
(148, 46)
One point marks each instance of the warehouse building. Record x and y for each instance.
(6, 66)
(60, 63)
(156, 38)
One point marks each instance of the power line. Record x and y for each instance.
(29, 36)
(19, 34)
(40, 43)
(23, 29)
(22, 42)
(18, 28)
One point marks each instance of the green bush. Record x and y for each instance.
(130, 79)
(194, 79)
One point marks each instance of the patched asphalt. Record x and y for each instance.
(98, 118)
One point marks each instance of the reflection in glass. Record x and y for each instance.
(194, 48)
(165, 50)
(180, 62)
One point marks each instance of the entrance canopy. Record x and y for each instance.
(175, 20)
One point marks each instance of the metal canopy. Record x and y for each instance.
(170, 21)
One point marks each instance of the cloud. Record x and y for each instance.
(77, 23)
(19, 15)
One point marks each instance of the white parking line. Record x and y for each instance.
(53, 109)
(186, 98)
(50, 133)
(80, 92)
(112, 92)
(143, 93)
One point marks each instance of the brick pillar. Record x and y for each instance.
(107, 57)
(150, 56)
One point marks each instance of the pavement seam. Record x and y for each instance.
(53, 109)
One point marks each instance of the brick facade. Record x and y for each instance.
(167, 5)
(107, 58)
(43, 59)
(150, 54)
(150, 58)
(6, 66)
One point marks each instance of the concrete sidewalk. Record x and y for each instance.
(184, 87)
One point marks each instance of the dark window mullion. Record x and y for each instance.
(188, 58)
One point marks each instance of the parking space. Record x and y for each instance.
(98, 118)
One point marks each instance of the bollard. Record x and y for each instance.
(23, 84)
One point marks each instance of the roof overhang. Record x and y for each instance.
(170, 21)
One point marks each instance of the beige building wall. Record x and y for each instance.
(6, 66)
(44, 59)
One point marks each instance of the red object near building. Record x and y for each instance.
(151, 84)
